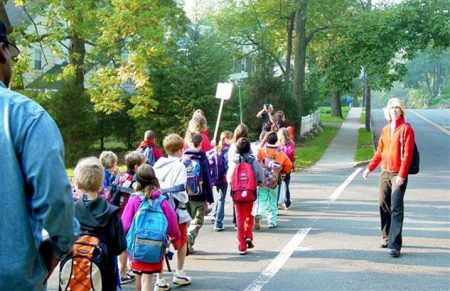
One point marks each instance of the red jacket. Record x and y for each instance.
(388, 152)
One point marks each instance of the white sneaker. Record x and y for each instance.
(180, 278)
(161, 285)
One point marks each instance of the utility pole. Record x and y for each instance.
(367, 91)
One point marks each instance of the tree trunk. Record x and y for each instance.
(77, 53)
(336, 109)
(368, 105)
(300, 59)
(290, 30)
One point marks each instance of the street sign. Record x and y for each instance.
(224, 90)
(238, 76)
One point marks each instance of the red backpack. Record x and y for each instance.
(243, 182)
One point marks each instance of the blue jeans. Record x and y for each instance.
(220, 205)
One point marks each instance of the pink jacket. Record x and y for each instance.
(289, 150)
(133, 205)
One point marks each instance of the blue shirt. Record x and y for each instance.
(34, 189)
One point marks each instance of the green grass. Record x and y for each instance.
(313, 149)
(362, 118)
(325, 115)
(364, 150)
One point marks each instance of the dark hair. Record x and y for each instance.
(243, 145)
(271, 138)
(194, 139)
(146, 180)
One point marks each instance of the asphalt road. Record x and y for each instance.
(329, 239)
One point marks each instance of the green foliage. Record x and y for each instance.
(364, 149)
(313, 149)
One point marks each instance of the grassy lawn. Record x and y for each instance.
(362, 118)
(313, 149)
(364, 150)
(325, 114)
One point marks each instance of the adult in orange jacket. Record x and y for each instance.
(395, 166)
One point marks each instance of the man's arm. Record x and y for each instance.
(42, 161)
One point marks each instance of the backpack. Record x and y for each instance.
(147, 238)
(243, 182)
(120, 191)
(271, 170)
(87, 266)
(149, 155)
(194, 176)
(414, 169)
(216, 167)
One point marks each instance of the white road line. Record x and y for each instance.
(293, 244)
(279, 261)
(341, 188)
(443, 129)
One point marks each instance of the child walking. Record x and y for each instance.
(287, 147)
(147, 191)
(243, 191)
(221, 184)
(274, 163)
(198, 185)
(171, 174)
(95, 215)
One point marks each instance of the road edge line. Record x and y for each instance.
(441, 128)
(341, 187)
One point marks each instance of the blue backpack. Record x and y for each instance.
(149, 155)
(194, 176)
(147, 238)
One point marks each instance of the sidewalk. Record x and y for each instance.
(341, 152)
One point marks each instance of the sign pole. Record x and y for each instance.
(218, 120)
(240, 101)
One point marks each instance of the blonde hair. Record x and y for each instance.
(172, 143)
(149, 135)
(88, 174)
(108, 159)
(225, 134)
(146, 172)
(387, 115)
(197, 124)
(283, 136)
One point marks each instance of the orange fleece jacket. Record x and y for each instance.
(388, 152)
(281, 158)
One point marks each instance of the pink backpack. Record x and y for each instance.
(243, 182)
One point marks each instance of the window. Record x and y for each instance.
(37, 59)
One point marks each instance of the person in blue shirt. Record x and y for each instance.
(34, 188)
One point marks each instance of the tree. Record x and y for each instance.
(429, 72)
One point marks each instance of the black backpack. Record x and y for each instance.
(414, 169)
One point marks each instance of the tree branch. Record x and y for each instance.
(40, 37)
(313, 32)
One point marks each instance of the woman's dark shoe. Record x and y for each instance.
(394, 253)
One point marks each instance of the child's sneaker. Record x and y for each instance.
(126, 279)
(219, 228)
(180, 278)
(257, 222)
(249, 243)
(242, 252)
(272, 225)
(161, 285)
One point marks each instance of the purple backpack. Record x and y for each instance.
(216, 167)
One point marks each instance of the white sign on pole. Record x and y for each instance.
(224, 90)
(238, 76)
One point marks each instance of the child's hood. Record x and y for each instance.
(94, 213)
(164, 166)
(195, 154)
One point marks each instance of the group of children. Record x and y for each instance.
(170, 195)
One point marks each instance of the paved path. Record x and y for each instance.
(341, 152)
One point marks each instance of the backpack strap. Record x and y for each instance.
(176, 188)
(402, 139)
